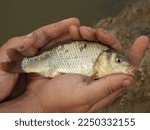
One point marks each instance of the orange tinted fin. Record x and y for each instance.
(15, 64)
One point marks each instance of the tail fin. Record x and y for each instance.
(15, 64)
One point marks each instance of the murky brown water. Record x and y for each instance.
(19, 17)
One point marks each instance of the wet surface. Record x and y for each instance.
(19, 17)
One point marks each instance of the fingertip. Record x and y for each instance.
(127, 82)
(76, 21)
(100, 33)
(144, 38)
(73, 20)
(31, 51)
(20, 43)
(109, 39)
(87, 33)
(74, 31)
(141, 41)
(138, 49)
(28, 42)
(101, 30)
(117, 77)
(114, 80)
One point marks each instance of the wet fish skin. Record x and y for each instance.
(77, 57)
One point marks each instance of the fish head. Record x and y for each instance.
(111, 62)
(121, 64)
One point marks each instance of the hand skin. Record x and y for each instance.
(66, 93)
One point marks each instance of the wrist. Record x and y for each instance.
(25, 103)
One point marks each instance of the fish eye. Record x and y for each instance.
(118, 60)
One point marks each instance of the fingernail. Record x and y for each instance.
(127, 82)
(29, 35)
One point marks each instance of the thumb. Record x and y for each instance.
(107, 85)
(138, 49)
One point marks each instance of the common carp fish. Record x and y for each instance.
(76, 57)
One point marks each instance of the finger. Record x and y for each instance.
(106, 101)
(105, 86)
(75, 34)
(138, 49)
(31, 51)
(21, 43)
(87, 33)
(109, 39)
(58, 41)
(52, 31)
(39, 37)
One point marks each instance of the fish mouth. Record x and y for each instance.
(131, 70)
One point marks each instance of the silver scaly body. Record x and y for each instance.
(76, 57)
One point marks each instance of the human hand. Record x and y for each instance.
(59, 95)
(30, 44)
(71, 93)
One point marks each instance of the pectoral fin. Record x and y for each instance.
(91, 78)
